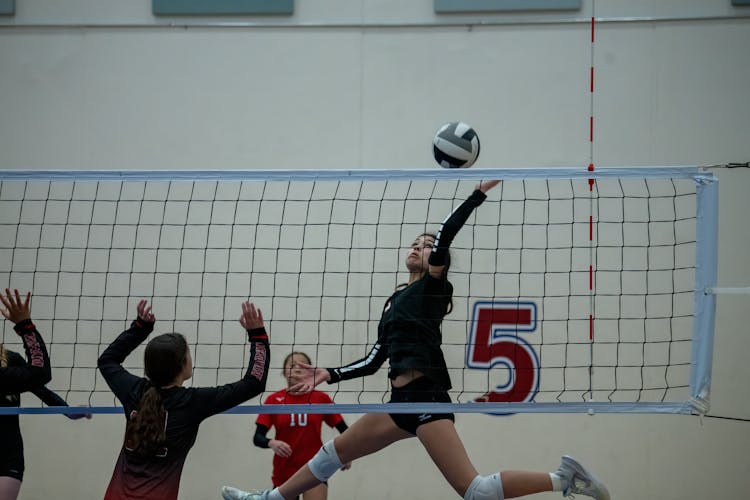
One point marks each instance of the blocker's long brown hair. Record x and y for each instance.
(163, 360)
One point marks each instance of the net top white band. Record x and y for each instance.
(650, 172)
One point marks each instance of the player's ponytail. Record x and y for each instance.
(145, 432)
(164, 359)
(3, 357)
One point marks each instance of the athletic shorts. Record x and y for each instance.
(421, 390)
(12, 464)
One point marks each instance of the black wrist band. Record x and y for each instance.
(23, 326)
(256, 334)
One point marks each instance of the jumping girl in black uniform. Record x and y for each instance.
(409, 335)
(162, 416)
(16, 376)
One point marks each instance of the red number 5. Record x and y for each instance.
(494, 340)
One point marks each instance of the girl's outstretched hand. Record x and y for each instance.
(485, 186)
(252, 317)
(313, 376)
(16, 310)
(78, 416)
(144, 311)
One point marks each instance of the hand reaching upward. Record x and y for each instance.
(313, 376)
(144, 311)
(252, 317)
(485, 186)
(15, 309)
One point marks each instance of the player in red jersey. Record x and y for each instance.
(297, 436)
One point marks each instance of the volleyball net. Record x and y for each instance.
(574, 291)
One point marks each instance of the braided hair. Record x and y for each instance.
(164, 358)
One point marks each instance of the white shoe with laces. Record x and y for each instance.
(231, 493)
(580, 481)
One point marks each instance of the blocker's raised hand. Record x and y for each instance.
(144, 311)
(252, 317)
(16, 310)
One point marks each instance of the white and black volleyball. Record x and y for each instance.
(456, 145)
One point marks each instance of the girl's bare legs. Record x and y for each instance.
(9, 488)
(442, 443)
(371, 433)
(320, 492)
(517, 483)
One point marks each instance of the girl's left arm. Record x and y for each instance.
(110, 362)
(450, 227)
(51, 398)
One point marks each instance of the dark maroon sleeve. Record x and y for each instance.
(212, 400)
(37, 370)
(121, 381)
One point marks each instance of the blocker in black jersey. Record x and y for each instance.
(11, 452)
(157, 476)
(17, 376)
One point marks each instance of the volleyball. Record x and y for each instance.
(456, 145)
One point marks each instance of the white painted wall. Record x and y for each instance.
(371, 96)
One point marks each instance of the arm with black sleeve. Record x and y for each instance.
(212, 400)
(362, 367)
(51, 398)
(125, 385)
(341, 426)
(36, 371)
(450, 227)
(110, 361)
(260, 438)
(48, 397)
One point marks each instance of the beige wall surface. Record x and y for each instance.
(350, 85)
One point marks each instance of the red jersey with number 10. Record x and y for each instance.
(301, 431)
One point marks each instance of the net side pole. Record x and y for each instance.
(704, 306)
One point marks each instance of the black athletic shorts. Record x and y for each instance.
(421, 390)
(12, 464)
